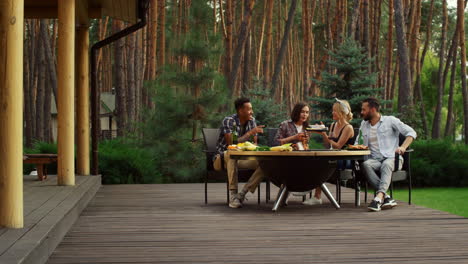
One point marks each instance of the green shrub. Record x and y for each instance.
(122, 162)
(439, 163)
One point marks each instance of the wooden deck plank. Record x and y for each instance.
(171, 224)
(46, 204)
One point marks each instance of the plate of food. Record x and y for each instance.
(357, 147)
(317, 128)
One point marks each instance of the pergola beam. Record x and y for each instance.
(52, 12)
(11, 113)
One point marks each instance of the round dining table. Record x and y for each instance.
(299, 171)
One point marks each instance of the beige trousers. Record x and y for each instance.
(232, 165)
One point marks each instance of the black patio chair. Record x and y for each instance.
(210, 137)
(343, 176)
(405, 173)
(398, 175)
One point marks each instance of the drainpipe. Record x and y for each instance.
(142, 15)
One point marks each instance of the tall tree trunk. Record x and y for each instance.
(50, 61)
(441, 84)
(449, 125)
(461, 33)
(418, 88)
(405, 95)
(305, 31)
(375, 41)
(138, 73)
(388, 67)
(311, 63)
(282, 51)
(27, 85)
(120, 86)
(246, 73)
(131, 80)
(268, 44)
(162, 32)
(46, 110)
(34, 73)
(262, 37)
(414, 40)
(366, 38)
(152, 41)
(40, 96)
(355, 19)
(228, 40)
(241, 39)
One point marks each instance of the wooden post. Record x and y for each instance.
(11, 113)
(82, 88)
(66, 84)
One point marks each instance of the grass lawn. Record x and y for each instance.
(452, 200)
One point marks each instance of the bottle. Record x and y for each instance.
(360, 139)
(305, 141)
(234, 134)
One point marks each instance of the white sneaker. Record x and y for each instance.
(312, 201)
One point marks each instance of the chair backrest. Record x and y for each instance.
(270, 134)
(356, 133)
(210, 136)
(406, 156)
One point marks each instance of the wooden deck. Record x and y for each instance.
(171, 224)
(49, 212)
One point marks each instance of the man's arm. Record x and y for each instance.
(406, 131)
(253, 132)
(226, 129)
(401, 149)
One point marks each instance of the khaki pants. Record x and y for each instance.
(232, 166)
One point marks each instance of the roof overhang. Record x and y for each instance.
(126, 10)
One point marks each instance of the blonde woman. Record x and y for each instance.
(340, 134)
(341, 131)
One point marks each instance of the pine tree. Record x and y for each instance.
(347, 78)
(188, 93)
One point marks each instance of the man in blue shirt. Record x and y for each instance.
(244, 124)
(381, 135)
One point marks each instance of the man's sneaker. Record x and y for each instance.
(388, 203)
(312, 201)
(236, 200)
(374, 206)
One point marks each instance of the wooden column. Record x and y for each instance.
(66, 85)
(82, 94)
(11, 113)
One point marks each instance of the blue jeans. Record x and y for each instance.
(380, 182)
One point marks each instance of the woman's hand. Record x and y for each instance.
(301, 136)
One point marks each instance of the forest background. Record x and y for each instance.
(183, 71)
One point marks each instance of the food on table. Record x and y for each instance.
(317, 127)
(359, 147)
(263, 148)
(233, 147)
(247, 146)
(285, 147)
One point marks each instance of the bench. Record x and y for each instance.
(40, 160)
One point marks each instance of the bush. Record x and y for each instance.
(439, 163)
(122, 162)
